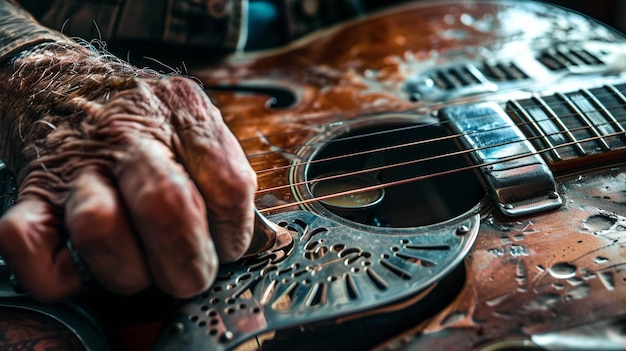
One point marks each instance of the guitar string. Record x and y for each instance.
(433, 106)
(293, 148)
(426, 141)
(600, 137)
(290, 150)
(604, 108)
(428, 176)
(435, 139)
(430, 158)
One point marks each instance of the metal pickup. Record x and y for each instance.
(517, 177)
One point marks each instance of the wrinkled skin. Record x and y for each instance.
(138, 170)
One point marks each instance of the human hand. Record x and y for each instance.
(139, 171)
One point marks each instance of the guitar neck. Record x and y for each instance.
(575, 130)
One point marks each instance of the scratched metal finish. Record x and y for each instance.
(540, 274)
(323, 270)
(524, 276)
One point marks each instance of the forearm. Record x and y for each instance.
(46, 77)
(127, 165)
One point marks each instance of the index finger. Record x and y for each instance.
(169, 217)
(216, 162)
(36, 254)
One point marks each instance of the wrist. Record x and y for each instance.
(45, 87)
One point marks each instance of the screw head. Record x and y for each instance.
(178, 328)
(462, 230)
(227, 336)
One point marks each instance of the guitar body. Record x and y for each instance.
(542, 277)
(481, 239)
(526, 275)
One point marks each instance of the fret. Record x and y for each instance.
(548, 136)
(555, 59)
(559, 122)
(536, 129)
(589, 115)
(575, 125)
(608, 122)
(615, 114)
(611, 116)
(576, 122)
(586, 57)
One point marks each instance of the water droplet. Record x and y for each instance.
(562, 270)
(574, 281)
(607, 279)
(601, 260)
(467, 19)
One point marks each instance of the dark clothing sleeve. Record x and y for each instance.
(193, 23)
(225, 25)
(18, 30)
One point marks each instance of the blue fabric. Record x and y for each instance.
(264, 25)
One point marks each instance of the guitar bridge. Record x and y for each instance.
(519, 180)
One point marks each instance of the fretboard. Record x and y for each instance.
(575, 130)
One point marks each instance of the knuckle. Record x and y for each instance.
(91, 225)
(168, 203)
(177, 90)
(200, 277)
(17, 230)
(11, 227)
(182, 81)
(239, 188)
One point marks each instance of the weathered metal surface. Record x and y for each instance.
(322, 97)
(524, 276)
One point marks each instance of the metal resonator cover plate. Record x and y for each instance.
(322, 271)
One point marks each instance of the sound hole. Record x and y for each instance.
(396, 153)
